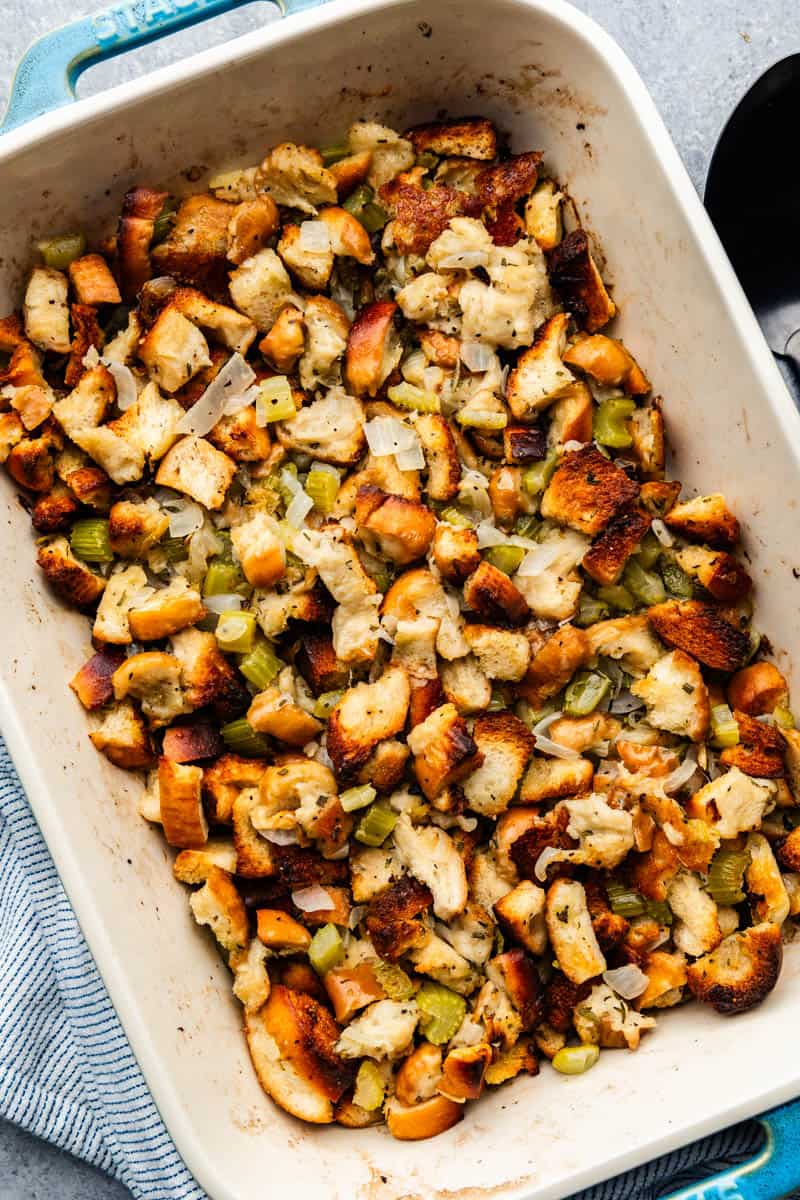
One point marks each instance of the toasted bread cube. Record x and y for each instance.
(657, 496)
(348, 237)
(285, 342)
(520, 914)
(515, 972)
(441, 456)
(55, 511)
(571, 933)
(491, 595)
(586, 491)
(219, 905)
(465, 685)
(759, 750)
(260, 549)
(317, 662)
(88, 402)
(70, 577)
(552, 666)
(196, 246)
(351, 989)
(608, 362)
(719, 572)
(194, 467)
(390, 153)
(413, 1123)
(195, 866)
(280, 931)
(251, 981)
(469, 137)
(349, 172)
(764, 882)
(629, 640)
(224, 779)
(395, 917)
(154, 679)
(419, 1074)
(259, 288)
(46, 310)
(741, 971)
(311, 267)
(123, 589)
(252, 223)
(444, 750)
(123, 738)
(552, 779)
(182, 815)
(151, 422)
(227, 325)
(122, 458)
(374, 348)
(92, 280)
(207, 675)
(366, 715)
(254, 856)
(540, 376)
(455, 552)
(30, 461)
(295, 178)
(523, 444)
(757, 689)
(609, 553)
(12, 432)
(601, 1020)
(92, 683)
(192, 743)
(646, 427)
(331, 429)
(273, 712)
(732, 804)
(140, 208)
(33, 403)
(501, 653)
(171, 609)
(676, 696)
(705, 519)
(543, 214)
(506, 745)
(403, 529)
(574, 274)
(702, 631)
(173, 350)
(135, 526)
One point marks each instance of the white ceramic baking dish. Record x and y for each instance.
(555, 81)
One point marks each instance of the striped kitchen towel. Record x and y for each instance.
(68, 1074)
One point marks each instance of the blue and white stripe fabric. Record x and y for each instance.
(68, 1074)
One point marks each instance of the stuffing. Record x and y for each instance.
(70, 577)
(195, 866)
(514, 972)
(140, 207)
(295, 178)
(740, 972)
(276, 713)
(241, 437)
(574, 275)
(490, 594)
(571, 934)
(11, 434)
(330, 429)
(372, 870)
(524, 444)
(520, 914)
(543, 214)
(259, 287)
(54, 512)
(676, 696)
(33, 404)
(317, 662)
(251, 982)
(193, 466)
(608, 362)
(791, 751)
(604, 833)
(135, 526)
(182, 815)
(646, 427)
(705, 519)
(227, 325)
(30, 461)
(173, 350)
(310, 266)
(208, 677)
(604, 1019)
(444, 750)
(384, 1030)
(415, 650)
(701, 630)
(390, 153)
(367, 714)
(419, 1074)
(326, 332)
(470, 137)
(540, 376)
(218, 905)
(455, 552)
(351, 170)
(292, 1042)
(722, 575)
(171, 609)
(757, 689)
(553, 593)
(437, 959)
(493, 1009)
(46, 310)
(666, 979)
(123, 346)
(432, 858)
(586, 491)
(471, 934)
(554, 778)
(123, 738)
(348, 237)
(465, 685)
(501, 653)
(441, 457)
(768, 895)
(506, 745)
(609, 553)
(254, 854)
(92, 280)
(250, 226)
(122, 459)
(280, 932)
(402, 530)
(87, 404)
(759, 750)
(732, 804)
(429, 298)
(425, 1120)
(154, 679)
(507, 312)
(385, 767)
(260, 549)
(86, 334)
(196, 245)
(395, 917)
(374, 348)
(193, 742)
(150, 423)
(92, 683)
(629, 640)
(696, 926)
(286, 340)
(553, 664)
(122, 591)
(582, 733)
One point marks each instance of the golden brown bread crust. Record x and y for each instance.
(317, 662)
(506, 182)
(464, 1070)
(449, 752)
(92, 683)
(240, 436)
(523, 444)
(140, 208)
(740, 972)
(553, 665)
(366, 715)
(705, 519)
(759, 751)
(91, 486)
(659, 495)
(455, 552)
(757, 689)
(575, 277)
(394, 917)
(470, 137)
(196, 248)
(548, 830)
(54, 511)
(587, 490)
(517, 971)
(420, 214)
(86, 332)
(31, 462)
(224, 779)
(610, 929)
(182, 815)
(92, 280)
(404, 528)
(306, 1035)
(369, 334)
(560, 997)
(192, 743)
(441, 455)
(702, 631)
(606, 558)
(73, 581)
(490, 593)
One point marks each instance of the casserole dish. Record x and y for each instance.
(553, 80)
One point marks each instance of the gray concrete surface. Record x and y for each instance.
(696, 56)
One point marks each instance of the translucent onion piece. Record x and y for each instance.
(185, 519)
(490, 535)
(127, 392)
(572, 444)
(542, 726)
(537, 561)
(234, 378)
(549, 854)
(388, 435)
(314, 237)
(625, 702)
(357, 914)
(410, 460)
(299, 509)
(92, 357)
(554, 749)
(682, 773)
(312, 899)
(235, 404)
(280, 837)
(628, 981)
(662, 533)
(477, 357)
(224, 602)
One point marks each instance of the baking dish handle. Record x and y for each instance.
(48, 71)
(773, 1173)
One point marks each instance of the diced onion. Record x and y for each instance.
(235, 404)
(465, 261)
(280, 837)
(234, 378)
(628, 981)
(185, 519)
(224, 602)
(573, 444)
(662, 533)
(312, 899)
(490, 535)
(537, 561)
(357, 914)
(299, 508)
(127, 392)
(387, 435)
(548, 855)
(92, 357)
(625, 702)
(477, 357)
(682, 773)
(542, 726)
(314, 237)
(410, 460)
(554, 749)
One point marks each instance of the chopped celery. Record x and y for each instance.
(585, 693)
(164, 222)
(725, 876)
(261, 665)
(527, 525)
(393, 980)
(645, 586)
(454, 516)
(326, 950)
(236, 632)
(576, 1060)
(609, 427)
(361, 204)
(174, 549)
(376, 824)
(274, 401)
(90, 540)
(624, 901)
(326, 703)
(413, 399)
(676, 581)
(323, 488)
(427, 159)
(334, 152)
(479, 418)
(590, 610)
(240, 738)
(659, 911)
(499, 700)
(369, 1089)
(58, 252)
(783, 716)
(649, 551)
(724, 727)
(616, 596)
(222, 578)
(505, 558)
(357, 797)
(360, 196)
(536, 477)
(442, 1011)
